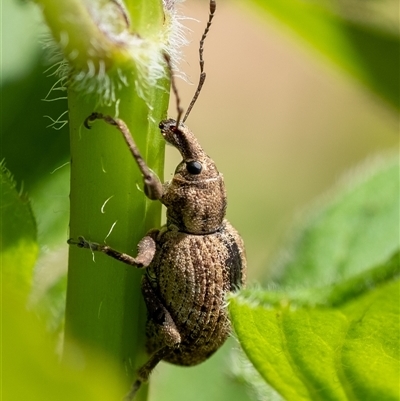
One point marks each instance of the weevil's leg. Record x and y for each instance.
(159, 319)
(167, 333)
(145, 370)
(152, 184)
(146, 250)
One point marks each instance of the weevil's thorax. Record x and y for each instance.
(195, 197)
(195, 205)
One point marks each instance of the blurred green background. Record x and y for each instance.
(281, 122)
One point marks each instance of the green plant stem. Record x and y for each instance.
(104, 304)
(105, 309)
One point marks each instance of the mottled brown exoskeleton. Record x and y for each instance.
(194, 260)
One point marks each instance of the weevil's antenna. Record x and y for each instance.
(213, 6)
(175, 90)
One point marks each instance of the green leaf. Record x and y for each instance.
(32, 370)
(356, 230)
(330, 330)
(309, 351)
(370, 355)
(31, 148)
(18, 246)
(362, 38)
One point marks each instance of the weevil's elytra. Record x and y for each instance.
(194, 293)
(194, 260)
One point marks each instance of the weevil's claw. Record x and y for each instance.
(132, 392)
(81, 243)
(93, 117)
(71, 241)
(86, 122)
(99, 116)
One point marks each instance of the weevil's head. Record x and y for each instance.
(195, 197)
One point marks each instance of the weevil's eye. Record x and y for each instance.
(194, 167)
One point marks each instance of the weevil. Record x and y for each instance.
(193, 261)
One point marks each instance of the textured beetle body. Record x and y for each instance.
(190, 275)
(191, 263)
(199, 257)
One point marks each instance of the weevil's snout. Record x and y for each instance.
(166, 125)
(170, 131)
(182, 139)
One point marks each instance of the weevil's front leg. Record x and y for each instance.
(146, 250)
(152, 184)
